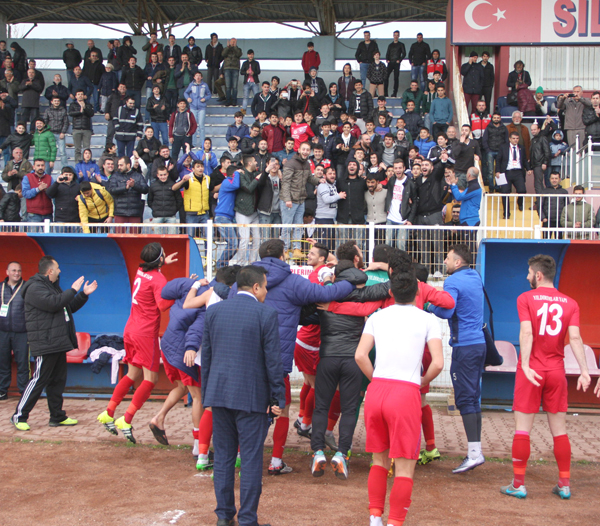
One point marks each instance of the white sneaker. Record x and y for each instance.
(195, 448)
(468, 464)
(438, 275)
(375, 521)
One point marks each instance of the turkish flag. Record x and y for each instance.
(496, 21)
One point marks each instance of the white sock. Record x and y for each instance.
(203, 457)
(375, 521)
(328, 433)
(474, 449)
(304, 427)
(299, 419)
(275, 462)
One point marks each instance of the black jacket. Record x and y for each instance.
(265, 194)
(592, 123)
(31, 93)
(194, 54)
(66, 209)
(431, 192)
(396, 52)
(82, 120)
(49, 315)
(464, 153)
(153, 145)
(488, 75)
(159, 162)
(260, 104)
(71, 58)
(341, 333)
(155, 108)
(213, 55)
(128, 202)
(494, 138)
(134, 78)
(408, 209)
(419, 53)
(10, 208)
(255, 71)
(364, 52)
(93, 71)
(472, 77)
(351, 211)
(114, 102)
(504, 157)
(539, 151)
(15, 320)
(366, 105)
(163, 201)
(124, 53)
(552, 207)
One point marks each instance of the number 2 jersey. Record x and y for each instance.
(551, 313)
(147, 304)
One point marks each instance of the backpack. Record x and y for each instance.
(98, 192)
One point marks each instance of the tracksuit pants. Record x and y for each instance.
(50, 374)
(17, 343)
(331, 371)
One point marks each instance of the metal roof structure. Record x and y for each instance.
(142, 16)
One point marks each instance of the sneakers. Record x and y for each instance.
(195, 451)
(66, 422)
(339, 463)
(297, 423)
(126, 429)
(330, 442)
(238, 461)
(283, 469)
(425, 457)
(205, 462)
(510, 490)
(306, 433)
(375, 521)
(318, 464)
(3, 396)
(21, 426)
(469, 464)
(563, 492)
(108, 422)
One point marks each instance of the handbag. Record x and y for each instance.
(492, 356)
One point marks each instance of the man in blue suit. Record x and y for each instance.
(241, 374)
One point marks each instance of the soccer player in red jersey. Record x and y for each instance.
(393, 401)
(142, 350)
(546, 316)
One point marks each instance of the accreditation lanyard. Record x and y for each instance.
(4, 308)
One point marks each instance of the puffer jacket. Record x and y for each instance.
(44, 145)
(245, 200)
(296, 172)
(57, 120)
(49, 315)
(82, 120)
(231, 57)
(539, 151)
(128, 202)
(163, 201)
(15, 320)
(592, 123)
(10, 207)
(287, 294)
(340, 333)
(66, 209)
(99, 206)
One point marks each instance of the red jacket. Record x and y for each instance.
(41, 204)
(268, 133)
(478, 124)
(191, 123)
(440, 66)
(310, 59)
(525, 99)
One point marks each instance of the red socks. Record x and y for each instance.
(562, 453)
(121, 390)
(400, 500)
(142, 393)
(280, 435)
(205, 431)
(334, 411)
(309, 408)
(428, 429)
(521, 450)
(377, 490)
(303, 394)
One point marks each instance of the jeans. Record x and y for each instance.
(179, 142)
(70, 76)
(82, 140)
(245, 255)
(292, 216)
(274, 218)
(95, 102)
(172, 95)
(249, 87)
(125, 148)
(418, 73)
(325, 235)
(347, 234)
(212, 74)
(61, 148)
(229, 235)
(164, 220)
(364, 68)
(38, 218)
(490, 175)
(430, 242)
(161, 131)
(196, 218)
(396, 237)
(200, 116)
(231, 84)
(30, 114)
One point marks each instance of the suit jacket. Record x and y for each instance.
(241, 356)
(504, 157)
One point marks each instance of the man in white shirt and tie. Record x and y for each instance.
(513, 163)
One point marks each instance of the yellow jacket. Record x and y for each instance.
(195, 196)
(99, 206)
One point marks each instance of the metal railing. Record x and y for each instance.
(582, 164)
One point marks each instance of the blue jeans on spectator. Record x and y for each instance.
(292, 216)
(195, 217)
(249, 87)
(38, 218)
(347, 234)
(137, 96)
(70, 76)
(163, 220)
(161, 129)
(490, 175)
(274, 218)
(229, 235)
(325, 235)
(200, 116)
(95, 102)
(396, 237)
(125, 148)
(364, 68)
(61, 148)
(418, 73)
(5, 152)
(231, 85)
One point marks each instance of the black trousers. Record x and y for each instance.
(395, 68)
(514, 178)
(487, 97)
(17, 343)
(331, 372)
(179, 142)
(50, 374)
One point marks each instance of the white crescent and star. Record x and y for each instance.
(469, 15)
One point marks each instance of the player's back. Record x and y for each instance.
(144, 318)
(551, 313)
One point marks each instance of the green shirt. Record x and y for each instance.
(377, 276)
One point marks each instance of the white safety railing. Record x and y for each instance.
(582, 164)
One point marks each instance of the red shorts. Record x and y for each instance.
(427, 359)
(174, 374)
(393, 418)
(552, 392)
(288, 390)
(306, 360)
(142, 351)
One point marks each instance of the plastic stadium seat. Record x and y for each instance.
(83, 344)
(509, 353)
(571, 365)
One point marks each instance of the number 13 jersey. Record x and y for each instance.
(551, 313)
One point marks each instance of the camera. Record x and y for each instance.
(62, 179)
(570, 95)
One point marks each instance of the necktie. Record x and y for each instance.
(514, 153)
